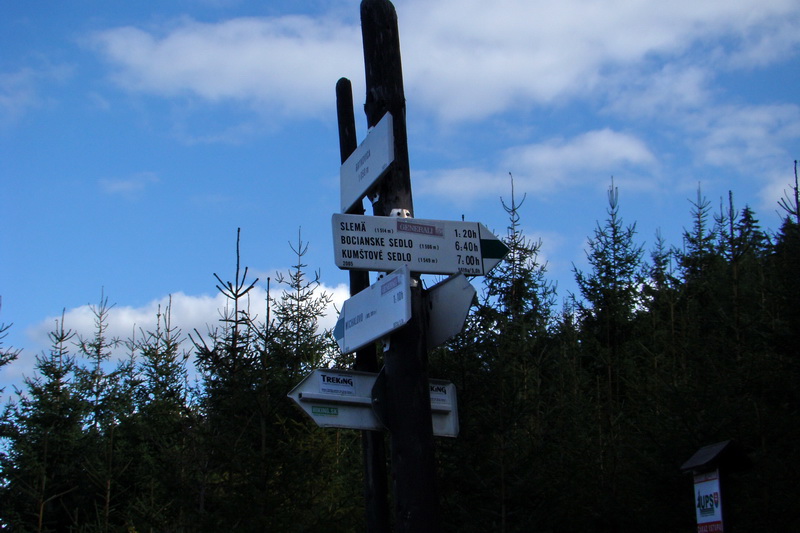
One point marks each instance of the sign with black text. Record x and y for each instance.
(338, 399)
(383, 244)
(367, 163)
(374, 312)
(345, 399)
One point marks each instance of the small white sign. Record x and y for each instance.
(343, 399)
(374, 312)
(444, 408)
(367, 163)
(338, 398)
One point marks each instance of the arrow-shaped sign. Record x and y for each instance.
(338, 399)
(428, 246)
(367, 163)
(374, 312)
(444, 406)
(448, 306)
(345, 398)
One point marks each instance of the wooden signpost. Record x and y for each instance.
(376, 484)
(396, 309)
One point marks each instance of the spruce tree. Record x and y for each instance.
(107, 386)
(160, 481)
(500, 365)
(44, 485)
(321, 468)
(610, 298)
(7, 353)
(267, 467)
(228, 364)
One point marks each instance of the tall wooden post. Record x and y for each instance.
(376, 490)
(407, 410)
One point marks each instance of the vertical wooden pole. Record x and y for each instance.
(376, 489)
(407, 396)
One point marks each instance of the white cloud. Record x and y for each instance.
(130, 186)
(460, 185)
(546, 167)
(752, 140)
(671, 90)
(17, 93)
(473, 59)
(748, 136)
(125, 322)
(559, 163)
(778, 187)
(191, 314)
(22, 90)
(465, 59)
(764, 44)
(288, 64)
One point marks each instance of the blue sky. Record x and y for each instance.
(135, 138)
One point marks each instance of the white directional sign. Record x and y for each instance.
(448, 306)
(377, 310)
(444, 408)
(367, 163)
(338, 399)
(428, 246)
(343, 399)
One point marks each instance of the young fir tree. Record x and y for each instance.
(701, 272)
(783, 265)
(660, 293)
(610, 297)
(500, 364)
(228, 364)
(267, 468)
(779, 373)
(108, 388)
(158, 435)
(44, 485)
(744, 247)
(321, 468)
(7, 353)
(720, 311)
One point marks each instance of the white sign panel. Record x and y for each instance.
(367, 163)
(379, 309)
(338, 399)
(448, 306)
(428, 246)
(708, 503)
(444, 408)
(343, 399)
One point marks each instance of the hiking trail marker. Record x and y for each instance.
(338, 399)
(352, 400)
(367, 163)
(374, 312)
(383, 244)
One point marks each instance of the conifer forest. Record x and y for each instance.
(576, 410)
